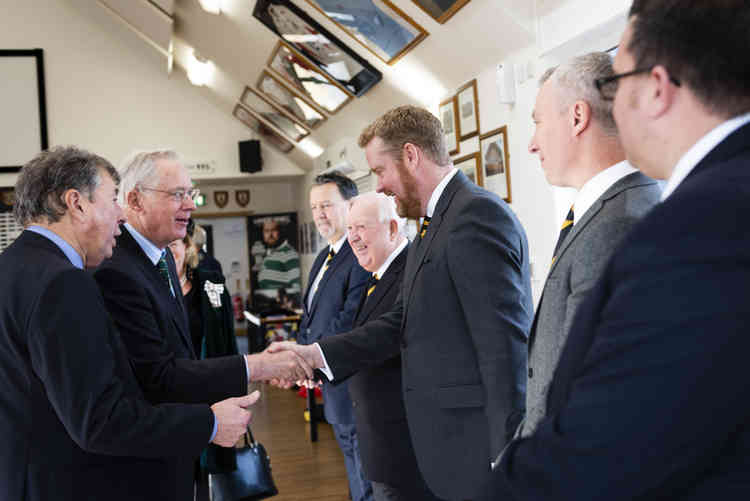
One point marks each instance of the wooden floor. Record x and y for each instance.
(303, 470)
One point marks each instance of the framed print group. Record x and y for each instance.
(254, 122)
(305, 77)
(448, 114)
(471, 165)
(380, 26)
(495, 167)
(468, 110)
(289, 100)
(440, 10)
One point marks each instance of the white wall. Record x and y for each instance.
(265, 198)
(109, 92)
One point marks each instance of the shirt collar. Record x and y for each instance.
(152, 252)
(432, 203)
(339, 243)
(384, 267)
(72, 255)
(699, 150)
(597, 185)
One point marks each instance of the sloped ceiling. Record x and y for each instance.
(482, 33)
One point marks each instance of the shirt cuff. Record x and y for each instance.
(325, 369)
(216, 428)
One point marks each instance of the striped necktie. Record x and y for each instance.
(161, 265)
(425, 225)
(331, 253)
(327, 263)
(372, 283)
(564, 230)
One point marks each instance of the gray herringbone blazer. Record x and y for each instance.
(579, 264)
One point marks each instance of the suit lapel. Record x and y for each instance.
(389, 280)
(313, 275)
(338, 258)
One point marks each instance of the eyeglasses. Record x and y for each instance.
(177, 195)
(607, 86)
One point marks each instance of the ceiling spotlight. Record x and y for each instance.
(211, 6)
(200, 70)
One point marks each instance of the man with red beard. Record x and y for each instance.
(464, 313)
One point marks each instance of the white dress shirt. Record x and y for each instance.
(336, 248)
(597, 185)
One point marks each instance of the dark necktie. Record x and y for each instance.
(328, 260)
(372, 283)
(425, 225)
(161, 265)
(564, 230)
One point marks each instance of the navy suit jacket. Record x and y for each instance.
(74, 421)
(460, 324)
(332, 311)
(650, 399)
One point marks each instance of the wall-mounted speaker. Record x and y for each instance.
(250, 160)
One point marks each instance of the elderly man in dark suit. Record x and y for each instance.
(143, 295)
(576, 139)
(74, 421)
(464, 312)
(330, 303)
(649, 399)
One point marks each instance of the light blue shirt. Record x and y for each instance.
(72, 255)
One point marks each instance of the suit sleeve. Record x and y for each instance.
(163, 376)
(658, 400)
(486, 267)
(71, 354)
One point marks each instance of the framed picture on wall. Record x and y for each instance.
(380, 26)
(471, 165)
(468, 110)
(440, 10)
(264, 132)
(327, 52)
(305, 77)
(289, 100)
(448, 114)
(495, 167)
(274, 115)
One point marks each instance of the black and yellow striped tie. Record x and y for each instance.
(331, 253)
(564, 230)
(425, 225)
(372, 283)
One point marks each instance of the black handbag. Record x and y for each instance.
(252, 478)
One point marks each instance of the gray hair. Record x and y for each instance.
(45, 179)
(386, 208)
(139, 169)
(576, 81)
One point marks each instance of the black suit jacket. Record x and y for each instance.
(74, 421)
(460, 324)
(650, 399)
(154, 327)
(384, 444)
(332, 312)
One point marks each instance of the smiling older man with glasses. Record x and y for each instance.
(143, 295)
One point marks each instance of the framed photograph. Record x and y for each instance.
(309, 38)
(468, 110)
(23, 123)
(380, 26)
(274, 261)
(289, 100)
(302, 75)
(264, 132)
(440, 10)
(448, 114)
(274, 115)
(471, 165)
(495, 167)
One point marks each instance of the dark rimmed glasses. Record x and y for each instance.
(607, 86)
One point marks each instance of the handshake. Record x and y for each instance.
(282, 364)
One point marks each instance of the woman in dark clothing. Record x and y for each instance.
(209, 310)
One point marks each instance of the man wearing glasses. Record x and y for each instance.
(650, 399)
(143, 295)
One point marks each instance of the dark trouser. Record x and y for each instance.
(419, 492)
(359, 486)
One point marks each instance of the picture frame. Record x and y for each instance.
(301, 74)
(328, 53)
(448, 115)
(24, 106)
(468, 110)
(378, 25)
(471, 165)
(493, 147)
(264, 131)
(440, 10)
(287, 99)
(279, 118)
